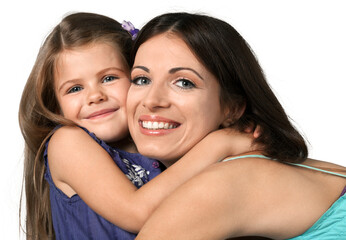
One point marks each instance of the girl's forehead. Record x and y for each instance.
(88, 59)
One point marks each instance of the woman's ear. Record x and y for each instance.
(227, 118)
(230, 117)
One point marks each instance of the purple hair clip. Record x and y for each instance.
(128, 26)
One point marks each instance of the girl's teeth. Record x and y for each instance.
(157, 125)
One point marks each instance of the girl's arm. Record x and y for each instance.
(215, 204)
(80, 165)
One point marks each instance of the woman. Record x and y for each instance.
(192, 67)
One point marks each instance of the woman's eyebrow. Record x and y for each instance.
(141, 67)
(174, 70)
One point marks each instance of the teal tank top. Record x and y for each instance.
(332, 224)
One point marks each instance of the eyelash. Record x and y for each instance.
(136, 79)
(191, 84)
(142, 78)
(72, 89)
(110, 76)
(104, 80)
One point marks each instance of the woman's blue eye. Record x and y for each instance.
(109, 78)
(185, 84)
(74, 89)
(141, 81)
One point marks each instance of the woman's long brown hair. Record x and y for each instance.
(39, 108)
(224, 52)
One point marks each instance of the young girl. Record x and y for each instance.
(73, 103)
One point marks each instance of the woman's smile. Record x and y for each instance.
(156, 125)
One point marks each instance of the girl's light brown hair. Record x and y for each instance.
(39, 108)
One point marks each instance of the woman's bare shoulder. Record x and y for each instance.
(325, 165)
(267, 195)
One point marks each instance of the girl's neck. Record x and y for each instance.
(125, 144)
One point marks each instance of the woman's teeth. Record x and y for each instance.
(158, 125)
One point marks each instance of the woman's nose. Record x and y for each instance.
(156, 97)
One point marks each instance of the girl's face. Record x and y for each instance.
(91, 84)
(173, 101)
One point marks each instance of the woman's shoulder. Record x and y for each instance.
(260, 166)
(298, 179)
(243, 176)
(249, 166)
(274, 194)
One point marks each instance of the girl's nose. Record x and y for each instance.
(96, 95)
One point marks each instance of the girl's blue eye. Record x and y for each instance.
(141, 81)
(185, 84)
(75, 89)
(109, 78)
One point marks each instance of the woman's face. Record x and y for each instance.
(173, 101)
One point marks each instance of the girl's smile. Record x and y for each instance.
(101, 113)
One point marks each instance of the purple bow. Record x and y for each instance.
(128, 26)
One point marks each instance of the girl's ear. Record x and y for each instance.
(58, 111)
(230, 117)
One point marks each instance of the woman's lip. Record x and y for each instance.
(155, 132)
(101, 113)
(155, 118)
(154, 125)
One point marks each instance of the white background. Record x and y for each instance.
(300, 44)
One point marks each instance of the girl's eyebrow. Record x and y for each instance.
(111, 68)
(73, 81)
(174, 70)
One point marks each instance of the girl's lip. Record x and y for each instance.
(101, 113)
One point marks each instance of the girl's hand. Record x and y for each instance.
(255, 131)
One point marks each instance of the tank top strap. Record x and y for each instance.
(318, 169)
(245, 156)
(294, 164)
